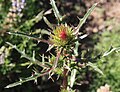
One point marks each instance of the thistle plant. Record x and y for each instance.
(65, 40)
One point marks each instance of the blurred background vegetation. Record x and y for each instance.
(103, 29)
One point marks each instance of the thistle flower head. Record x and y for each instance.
(62, 35)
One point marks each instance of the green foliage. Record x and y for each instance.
(12, 63)
(110, 62)
(22, 50)
(63, 62)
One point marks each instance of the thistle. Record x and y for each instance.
(66, 41)
(62, 35)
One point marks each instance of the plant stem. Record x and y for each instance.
(65, 79)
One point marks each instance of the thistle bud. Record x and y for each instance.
(62, 35)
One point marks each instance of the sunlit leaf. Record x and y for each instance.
(55, 10)
(83, 20)
(48, 23)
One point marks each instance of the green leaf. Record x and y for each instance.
(76, 48)
(48, 23)
(29, 36)
(110, 51)
(32, 60)
(28, 24)
(55, 10)
(83, 20)
(58, 71)
(72, 77)
(95, 67)
(50, 47)
(34, 77)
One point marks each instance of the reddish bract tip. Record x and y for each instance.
(63, 35)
